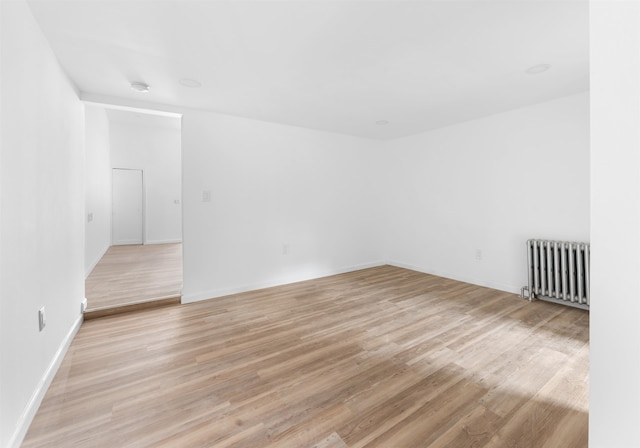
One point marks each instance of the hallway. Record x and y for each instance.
(134, 274)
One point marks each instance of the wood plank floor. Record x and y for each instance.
(134, 274)
(383, 357)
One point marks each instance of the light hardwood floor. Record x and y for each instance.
(382, 357)
(133, 274)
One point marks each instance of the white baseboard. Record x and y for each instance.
(163, 241)
(215, 293)
(36, 399)
(487, 284)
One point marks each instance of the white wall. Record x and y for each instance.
(97, 186)
(42, 229)
(489, 185)
(287, 204)
(157, 151)
(4, 431)
(614, 414)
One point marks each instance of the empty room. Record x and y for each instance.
(393, 223)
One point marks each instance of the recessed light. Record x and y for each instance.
(537, 69)
(382, 122)
(191, 83)
(140, 87)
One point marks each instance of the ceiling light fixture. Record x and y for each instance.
(382, 122)
(191, 83)
(537, 69)
(140, 87)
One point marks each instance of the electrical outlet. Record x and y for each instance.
(42, 321)
(176, 201)
(206, 196)
(285, 249)
(479, 254)
(89, 217)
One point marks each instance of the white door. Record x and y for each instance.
(127, 207)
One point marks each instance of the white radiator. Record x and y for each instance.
(558, 272)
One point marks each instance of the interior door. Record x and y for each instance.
(127, 223)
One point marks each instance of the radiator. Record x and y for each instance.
(558, 272)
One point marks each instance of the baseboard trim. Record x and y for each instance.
(43, 385)
(486, 284)
(215, 293)
(163, 241)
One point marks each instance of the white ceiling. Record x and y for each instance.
(338, 66)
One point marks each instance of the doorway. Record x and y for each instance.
(133, 231)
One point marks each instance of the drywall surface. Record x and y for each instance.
(155, 150)
(97, 186)
(42, 229)
(614, 395)
(268, 204)
(464, 199)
